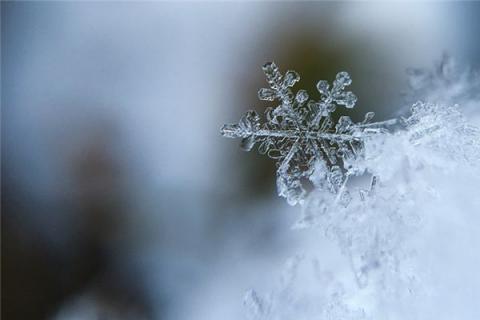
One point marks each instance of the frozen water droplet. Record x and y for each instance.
(291, 77)
(348, 100)
(322, 87)
(270, 68)
(267, 94)
(302, 96)
(272, 73)
(230, 131)
(343, 79)
(250, 122)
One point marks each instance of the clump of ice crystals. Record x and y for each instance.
(326, 300)
(373, 226)
(301, 135)
(445, 130)
(446, 83)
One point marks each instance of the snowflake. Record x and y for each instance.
(299, 133)
(381, 230)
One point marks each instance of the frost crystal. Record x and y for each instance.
(301, 135)
(382, 228)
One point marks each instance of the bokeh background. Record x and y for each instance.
(120, 199)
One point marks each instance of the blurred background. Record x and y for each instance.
(120, 199)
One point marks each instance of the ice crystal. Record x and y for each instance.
(401, 169)
(301, 134)
(371, 228)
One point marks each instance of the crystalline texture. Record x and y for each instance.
(445, 83)
(443, 129)
(300, 132)
(376, 228)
